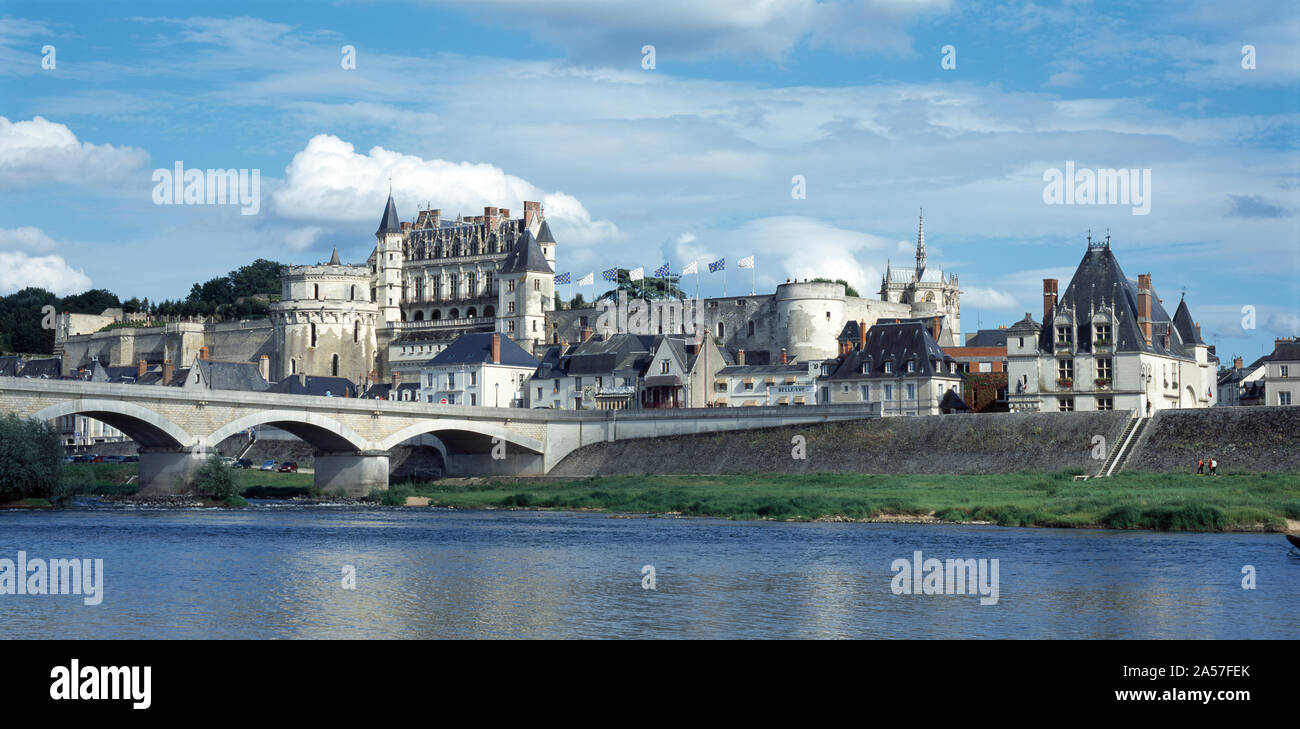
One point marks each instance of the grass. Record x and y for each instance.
(1127, 501)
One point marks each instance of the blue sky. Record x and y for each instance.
(466, 104)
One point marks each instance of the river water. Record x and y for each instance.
(278, 571)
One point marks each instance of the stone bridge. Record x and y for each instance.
(176, 428)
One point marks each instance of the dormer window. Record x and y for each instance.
(1063, 335)
(889, 368)
(911, 366)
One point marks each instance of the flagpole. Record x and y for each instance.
(751, 280)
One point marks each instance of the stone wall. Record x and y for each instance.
(1242, 439)
(992, 443)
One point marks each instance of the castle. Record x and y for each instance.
(430, 280)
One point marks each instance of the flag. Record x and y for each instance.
(636, 274)
(746, 262)
(718, 265)
(610, 275)
(690, 268)
(662, 271)
(562, 279)
(587, 280)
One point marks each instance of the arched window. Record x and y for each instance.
(437, 314)
(489, 311)
(720, 331)
(419, 316)
(315, 291)
(356, 331)
(293, 366)
(454, 314)
(352, 292)
(334, 365)
(471, 313)
(313, 335)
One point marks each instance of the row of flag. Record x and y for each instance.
(638, 273)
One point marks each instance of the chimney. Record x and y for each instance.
(496, 348)
(1049, 298)
(1144, 306)
(784, 358)
(397, 380)
(586, 333)
(740, 357)
(490, 216)
(862, 334)
(168, 371)
(203, 352)
(935, 325)
(505, 213)
(435, 218)
(140, 369)
(1238, 363)
(531, 209)
(264, 367)
(1198, 330)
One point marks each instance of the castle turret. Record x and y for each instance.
(388, 263)
(527, 291)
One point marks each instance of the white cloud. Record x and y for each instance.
(329, 180)
(38, 151)
(27, 238)
(987, 299)
(19, 270)
(302, 238)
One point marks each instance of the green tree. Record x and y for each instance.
(93, 301)
(21, 316)
(848, 290)
(31, 459)
(648, 288)
(215, 479)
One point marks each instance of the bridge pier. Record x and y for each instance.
(352, 474)
(170, 470)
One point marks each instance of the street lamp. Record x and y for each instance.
(498, 390)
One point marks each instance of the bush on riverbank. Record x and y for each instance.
(215, 480)
(31, 459)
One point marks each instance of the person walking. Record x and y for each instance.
(1200, 466)
(1214, 467)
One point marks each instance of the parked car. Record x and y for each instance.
(84, 458)
(267, 466)
(243, 463)
(130, 459)
(288, 467)
(112, 459)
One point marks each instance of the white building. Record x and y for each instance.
(1108, 344)
(1282, 373)
(484, 369)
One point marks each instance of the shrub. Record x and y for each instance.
(31, 459)
(235, 501)
(1123, 517)
(1292, 510)
(215, 480)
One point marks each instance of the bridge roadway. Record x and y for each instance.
(177, 428)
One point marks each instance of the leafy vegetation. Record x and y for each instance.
(848, 290)
(31, 459)
(649, 288)
(215, 479)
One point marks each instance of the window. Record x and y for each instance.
(313, 335)
(889, 392)
(1285, 370)
(1105, 403)
(356, 331)
(539, 394)
(720, 330)
(334, 366)
(911, 367)
(510, 327)
(473, 399)
(1063, 336)
(1284, 398)
(889, 369)
(473, 378)
(1103, 333)
(537, 284)
(911, 391)
(451, 380)
(866, 393)
(1022, 341)
(1065, 404)
(1103, 370)
(663, 367)
(1065, 369)
(510, 286)
(577, 383)
(750, 330)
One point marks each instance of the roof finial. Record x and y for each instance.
(920, 246)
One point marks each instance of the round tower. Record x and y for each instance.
(809, 317)
(325, 322)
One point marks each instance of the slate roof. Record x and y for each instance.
(621, 354)
(406, 391)
(897, 343)
(799, 368)
(525, 256)
(851, 331)
(1186, 327)
(988, 338)
(390, 222)
(10, 366)
(46, 367)
(314, 385)
(1283, 352)
(240, 376)
(476, 348)
(544, 233)
(1099, 282)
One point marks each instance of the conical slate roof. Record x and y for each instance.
(389, 223)
(526, 256)
(334, 258)
(1186, 327)
(544, 233)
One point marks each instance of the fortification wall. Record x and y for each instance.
(990, 443)
(1242, 439)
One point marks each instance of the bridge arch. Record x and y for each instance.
(146, 427)
(323, 433)
(447, 429)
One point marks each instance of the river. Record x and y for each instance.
(279, 571)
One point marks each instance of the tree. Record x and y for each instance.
(559, 303)
(31, 459)
(577, 302)
(93, 301)
(21, 316)
(215, 479)
(648, 288)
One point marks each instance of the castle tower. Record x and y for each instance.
(388, 263)
(527, 291)
(325, 322)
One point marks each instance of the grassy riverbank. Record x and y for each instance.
(1129, 500)
(121, 479)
